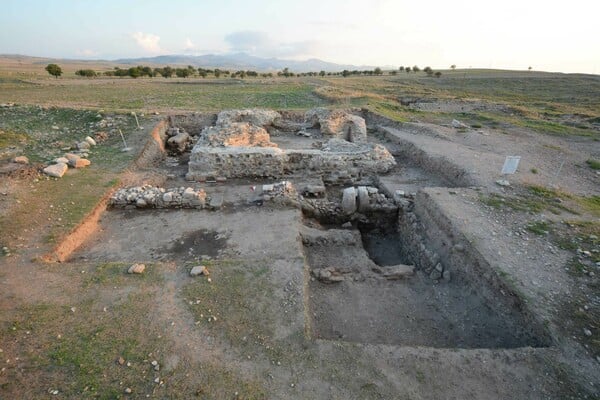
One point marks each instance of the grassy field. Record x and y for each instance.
(553, 103)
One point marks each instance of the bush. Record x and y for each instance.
(593, 164)
(88, 73)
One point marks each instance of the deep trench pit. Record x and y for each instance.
(365, 307)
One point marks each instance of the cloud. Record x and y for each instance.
(87, 53)
(260, 44)
(189, 45)
(147, 41)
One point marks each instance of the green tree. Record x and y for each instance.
(438, 74)
(378, 71)
(134, 72)
(415, 68)
(453, 66)
(322, 73)
(217, 72)
(345, 73)
(54, 70)
(183, 72)
(168, 72)
(88, 73)
(401, 69)
(407, 69)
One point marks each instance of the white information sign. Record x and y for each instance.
(510, 165)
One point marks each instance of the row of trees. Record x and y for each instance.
(167, 72)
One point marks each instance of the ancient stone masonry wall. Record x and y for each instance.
(239, 162)
(155, 197)
(239, 146)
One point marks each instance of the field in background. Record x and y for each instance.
(561, 104)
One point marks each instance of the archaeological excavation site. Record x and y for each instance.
(334, 202)
(318, 254)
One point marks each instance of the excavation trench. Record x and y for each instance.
(354, 294)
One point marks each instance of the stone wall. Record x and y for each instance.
(334, 167)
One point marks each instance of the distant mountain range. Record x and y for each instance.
(244, 61)
(234, 61)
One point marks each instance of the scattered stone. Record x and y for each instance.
(199, 270)
(328, 275)
(435, 275)
(587, 332)
(136, 269)
(56, 170)
(395, 272)
(83, 145)
(458, 125)
(63, 160)
(347, 225)
(21, 160)
(446, 275)
(90, 140)
(502, 182)
(128, 391)
(459, 247)
(80, 163)
(72, 157)
(121, 361)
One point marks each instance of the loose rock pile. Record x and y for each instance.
(62, 164)
(154, 197)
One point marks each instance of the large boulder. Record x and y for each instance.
(236, 134)
(179, 141)
(338, 123)
(254, 116)
(56, 170)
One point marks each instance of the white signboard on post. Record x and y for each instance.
(510, 165)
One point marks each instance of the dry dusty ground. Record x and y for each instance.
(262, 328)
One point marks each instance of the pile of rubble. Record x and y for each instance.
(73, 160)
(154, 197)
(279, 192)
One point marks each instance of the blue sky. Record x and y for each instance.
(546, 34)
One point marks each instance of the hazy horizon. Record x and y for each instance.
(508, 35)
